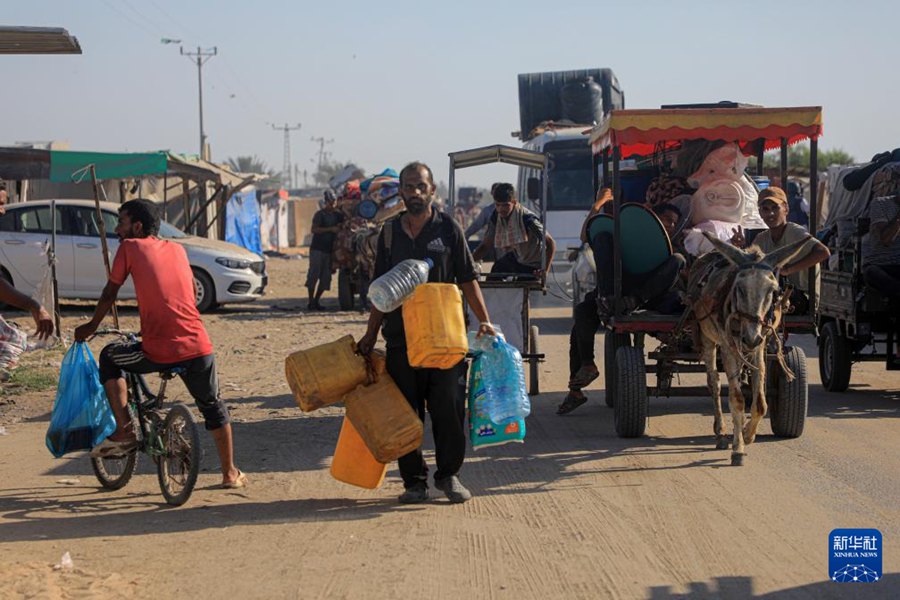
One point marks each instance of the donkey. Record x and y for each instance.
(737, 304)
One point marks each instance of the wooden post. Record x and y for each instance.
(186, 200)
(101, 226)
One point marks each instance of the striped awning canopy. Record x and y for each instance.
(642, 132)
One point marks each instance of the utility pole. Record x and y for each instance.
(202, 57)
(321, 141)
(286, 179)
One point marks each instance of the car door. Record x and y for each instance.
(90, 271)
(24, 233)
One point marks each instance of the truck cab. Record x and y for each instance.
(556, 111)
(569, 188)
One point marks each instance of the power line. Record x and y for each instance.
(286, 172)
(321, 141)
(202, 57)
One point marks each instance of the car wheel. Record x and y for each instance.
(204, 291)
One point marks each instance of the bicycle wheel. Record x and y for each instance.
(114, 473)
(179, 465)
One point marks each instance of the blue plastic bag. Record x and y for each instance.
(504, 379)
(81, 416)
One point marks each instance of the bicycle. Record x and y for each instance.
(170, 437)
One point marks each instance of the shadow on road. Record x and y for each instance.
(85, 514)
(741, 588)
(857, 403)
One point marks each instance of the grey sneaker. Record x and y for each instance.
(415, 494)
(454, 489)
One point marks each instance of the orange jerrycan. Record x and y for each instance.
(321, 375)
(435, 326)
(353, 462)
(384, 419)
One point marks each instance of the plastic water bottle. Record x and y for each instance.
(504, 380)
(390, 290)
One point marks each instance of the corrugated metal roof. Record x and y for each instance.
(37, 40)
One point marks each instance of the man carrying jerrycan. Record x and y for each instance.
(423, 232)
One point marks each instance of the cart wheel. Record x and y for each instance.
(834, 359)
(630, 407)
(611, 343)
(534, 387)
(788, 411)
(345, 290)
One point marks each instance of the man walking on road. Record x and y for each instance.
(324, 229)
(425, 232)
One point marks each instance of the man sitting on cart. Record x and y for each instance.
(582, 368)
(519, 232)
(773, 208)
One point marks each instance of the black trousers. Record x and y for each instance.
(199, 377)
(884, 278)
(442, 393)
(581, 340)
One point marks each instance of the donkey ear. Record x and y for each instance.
(780, 257)
(733, 255)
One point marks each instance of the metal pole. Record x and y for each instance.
(200, 90)
(813, 212)
(618, 305)
(605, 178)
(451, 200)
(101, 226)
(202, 56)
(52, 260)
(784, 164)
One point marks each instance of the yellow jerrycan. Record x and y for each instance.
(384, 419)
(353, 462)
(435, 326)
(321, 375)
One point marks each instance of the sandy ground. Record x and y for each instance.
(575, 512)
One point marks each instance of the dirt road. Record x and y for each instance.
(575, 512)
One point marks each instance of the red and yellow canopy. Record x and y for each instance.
(642, 131)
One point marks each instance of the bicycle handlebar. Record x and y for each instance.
(118, 332)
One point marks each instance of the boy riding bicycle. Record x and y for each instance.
(173, 334)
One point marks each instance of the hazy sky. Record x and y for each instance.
(391, 82)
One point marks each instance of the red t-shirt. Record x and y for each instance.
(171, 328)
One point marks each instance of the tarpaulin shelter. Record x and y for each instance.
(193, 191)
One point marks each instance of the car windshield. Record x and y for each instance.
(167, 230)
(570, 175)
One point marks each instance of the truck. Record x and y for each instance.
(555, 110)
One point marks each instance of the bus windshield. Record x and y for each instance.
(570, 175)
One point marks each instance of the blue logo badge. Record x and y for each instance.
(854, 555)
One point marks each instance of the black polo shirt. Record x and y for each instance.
(442, 240)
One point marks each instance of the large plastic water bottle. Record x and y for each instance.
(390, 290)
(504, 380)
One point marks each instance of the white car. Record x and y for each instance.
(223, 272)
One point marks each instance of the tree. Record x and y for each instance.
(249, 164)
(253, 164)
(798, 159)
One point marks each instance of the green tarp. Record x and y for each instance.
(108, 165)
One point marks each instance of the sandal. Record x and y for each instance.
(570, 403)
(240, 482)
(583, 377)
